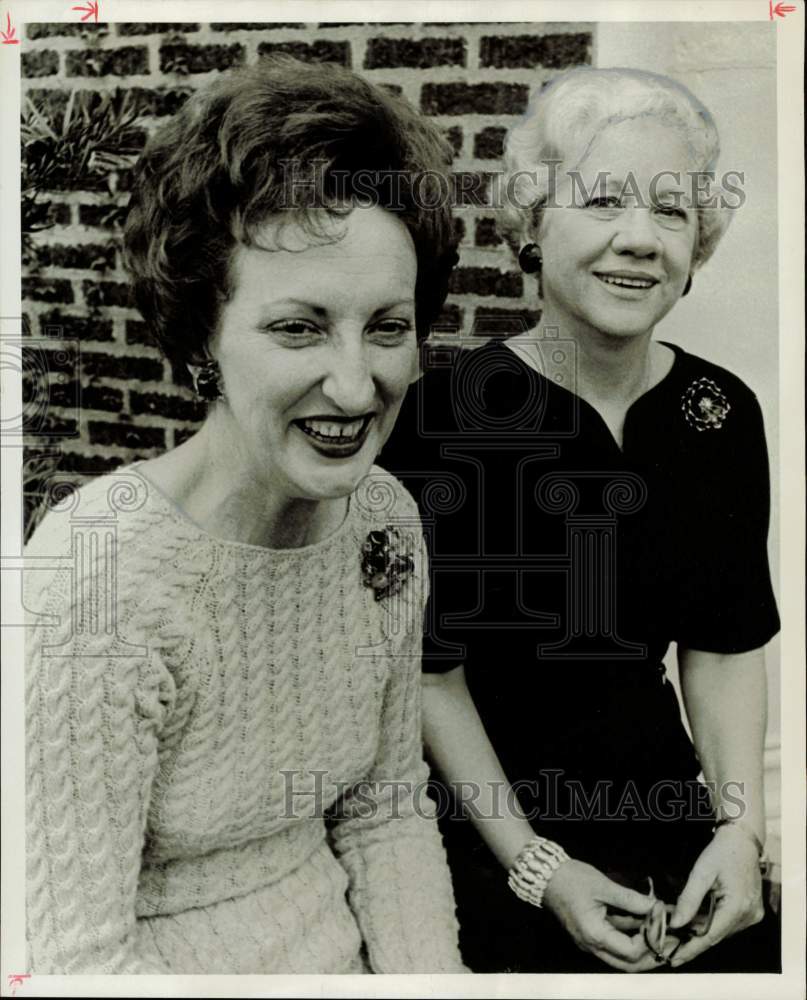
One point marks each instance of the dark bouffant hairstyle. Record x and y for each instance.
(209, 178)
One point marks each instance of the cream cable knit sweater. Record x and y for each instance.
(192, 707)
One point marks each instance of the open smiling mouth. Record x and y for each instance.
(628, 283)
(336, 436)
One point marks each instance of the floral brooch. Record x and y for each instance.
(705, 406)
(385, 562)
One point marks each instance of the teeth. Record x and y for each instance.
(626, 282)
(337, 432)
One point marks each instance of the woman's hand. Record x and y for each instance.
(729, 864)
(579, 896)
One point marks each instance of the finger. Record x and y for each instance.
(615, 963)
(624, 921)
(629, 948)
(692, 948)
(646, 963)
(688, 903)
(728, 919)
(613, 894)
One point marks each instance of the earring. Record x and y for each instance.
(530, 259)
(207, 380)
(687, 287)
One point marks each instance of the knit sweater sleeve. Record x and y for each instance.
(94, 709)
(386, 835)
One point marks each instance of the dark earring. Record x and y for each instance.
(530, 259)
(207, 381)
(687, 287)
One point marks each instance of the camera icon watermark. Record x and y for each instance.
(473, 375)
(48, 407)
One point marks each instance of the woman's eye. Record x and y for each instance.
(295, 330)
(673, 211)
(606, 202)
(391, 331)
(672, 216)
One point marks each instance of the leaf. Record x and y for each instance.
(35, 115)
(92, 140)
(68, 111)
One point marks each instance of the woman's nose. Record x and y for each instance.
(636, 233)
(349, 380)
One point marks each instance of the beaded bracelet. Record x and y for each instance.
(535, 865)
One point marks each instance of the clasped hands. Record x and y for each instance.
(636, 932)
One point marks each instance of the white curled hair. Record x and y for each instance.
(564, 117)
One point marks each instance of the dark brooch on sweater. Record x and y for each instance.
(704, 404)
(385, 562)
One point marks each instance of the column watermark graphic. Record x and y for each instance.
(592, 554)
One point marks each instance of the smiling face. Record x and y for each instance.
(616, 260)
(316, 348)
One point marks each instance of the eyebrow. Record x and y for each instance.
(667, 188)
(665, 182)
(323, 311)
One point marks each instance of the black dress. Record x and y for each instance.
(562, 567)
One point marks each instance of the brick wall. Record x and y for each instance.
(98, 394)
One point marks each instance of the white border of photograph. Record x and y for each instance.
(790, 494)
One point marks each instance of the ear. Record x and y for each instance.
(533, 230)
(199, 356)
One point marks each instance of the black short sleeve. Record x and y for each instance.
(726, 599)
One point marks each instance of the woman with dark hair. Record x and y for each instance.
(592, 496)
(228, 779)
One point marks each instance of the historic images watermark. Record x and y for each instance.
(316, 184)
(552, 797)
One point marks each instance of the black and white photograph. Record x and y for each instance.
(403, 498)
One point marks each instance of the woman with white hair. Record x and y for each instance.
(614, 500)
